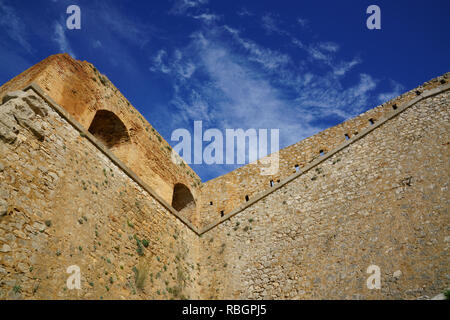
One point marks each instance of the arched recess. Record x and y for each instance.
(182, 200)
(110, 130)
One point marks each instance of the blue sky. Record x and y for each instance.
(297, 66)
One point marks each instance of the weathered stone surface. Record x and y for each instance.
(3, 207)
(19, 110)
(440, 296)
(71, 205)
(356, 213)
(5, 248)
(11, 95)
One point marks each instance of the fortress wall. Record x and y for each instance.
(64, 202)
(82, 91)
(382, 200)
(228, 192)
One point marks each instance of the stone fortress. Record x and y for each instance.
(85, 180)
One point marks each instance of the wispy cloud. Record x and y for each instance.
(158, 62)
(257, 87)
(302, 21)
(397, 89)
(229, 80)
(243, 12)
(328, 46)
(60, 38)
(130, 30)
(181, 6)
(269, 24)
(322, 51)
(97, 44)
(175, 65)
(206, 17)
(268, 58)
(343, 67)
(14, 26)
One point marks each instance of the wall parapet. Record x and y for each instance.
(238, 186)
(423, 95)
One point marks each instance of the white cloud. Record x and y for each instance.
(269, 23)
(268, 58)
(252, 86)
(206, 17)
(193, 107)
(303, 22)
(317, 54)
(158, 62)
(328, 46)
(297, 43)
(397, 89)
(61, 39)
(343, 67)
(323, 96)
(97, 44)
(131, 30)
(179, 68)
(234, 93)
(13, 26)
(244, 12)
(181, 6)
(323, 52)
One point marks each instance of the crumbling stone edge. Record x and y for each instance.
(63, 113)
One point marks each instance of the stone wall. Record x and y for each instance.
(248, 180)
(382, 200)
(83, 92)
(64, 202)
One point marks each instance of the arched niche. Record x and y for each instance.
(109, 129)
(182, 199)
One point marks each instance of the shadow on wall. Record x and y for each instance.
(183, 201)
(111, 131)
